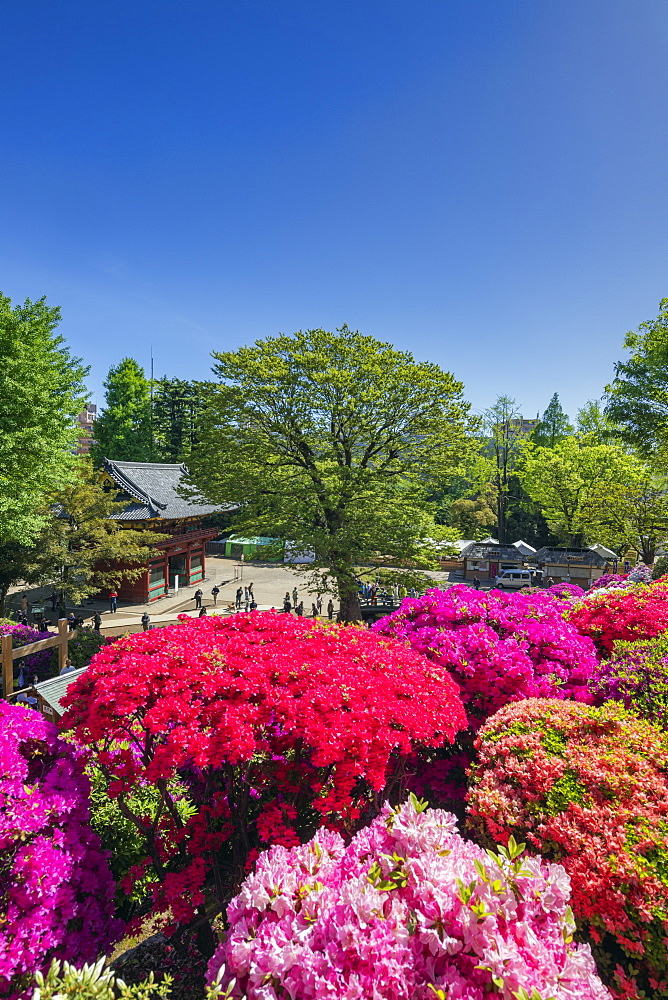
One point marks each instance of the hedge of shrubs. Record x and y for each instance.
(259, 765)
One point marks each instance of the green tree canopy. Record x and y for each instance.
(41, 393)
(177, 408)
(332, 441)
(553, 426)
(122, 432)
(591, 492)
(638, 396)
(593, 422)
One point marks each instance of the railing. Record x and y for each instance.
(9, 654)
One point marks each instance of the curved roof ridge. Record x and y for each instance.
(127, 484)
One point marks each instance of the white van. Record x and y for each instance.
(513, 579)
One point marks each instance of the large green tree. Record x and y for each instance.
(593, 422)
(553, 426)
(638, 396)
(595, 492)
(332, 441)
(122, 432)
(41, 392)
(177, 409)
(506, 434)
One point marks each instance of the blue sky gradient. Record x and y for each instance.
(482, 183)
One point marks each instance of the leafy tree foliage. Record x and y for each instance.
(177, 407)
(553, 426)
(332, 441)
(593, 422)
(41, 392)
(595, 492)
(123, 430)
(638, 396)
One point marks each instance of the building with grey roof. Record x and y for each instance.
(151, 492)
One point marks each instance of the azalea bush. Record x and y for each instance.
(407, 909)
(588, 788)
(498, 646)
(622, 614)
(636, 674)
(567, 591)
(273, 724)
(84, 644)
(56, 891)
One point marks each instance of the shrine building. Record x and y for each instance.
(150, 490)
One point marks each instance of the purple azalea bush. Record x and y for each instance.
(407, 909)
(498, 646)
(56, 890)
(636, 674)
(567, 591)
(37, 663)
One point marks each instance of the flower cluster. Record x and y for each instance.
(37, 663)
(588, 787)
(639, 574)
(636, 674)
(407, 909)
(567, 591)
(272, 723)
(499, 647)
(626, 614)
(609, 580)
(56, 891)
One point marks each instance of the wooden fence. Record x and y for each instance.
(9, 655)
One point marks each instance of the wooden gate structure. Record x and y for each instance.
(9, 655)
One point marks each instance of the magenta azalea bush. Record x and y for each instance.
(498, 646)
(567, 591)
(56, 892)
(407, 909)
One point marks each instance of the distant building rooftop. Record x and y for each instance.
(151, 488)
(54, 690)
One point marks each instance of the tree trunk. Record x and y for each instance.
(647, 552)
(501, 517)
(349, 600)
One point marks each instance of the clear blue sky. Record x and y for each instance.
(482, 182)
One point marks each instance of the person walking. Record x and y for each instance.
(145, 621)
(250, 591)
(97, 621)
(113, 601)
(330, 609)
(214, 594)
(299, 610)
(54, 600)
(318, 604)
(199, 594)
(314, 610)
(238, 596)
(295, 596)
(476, 583)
